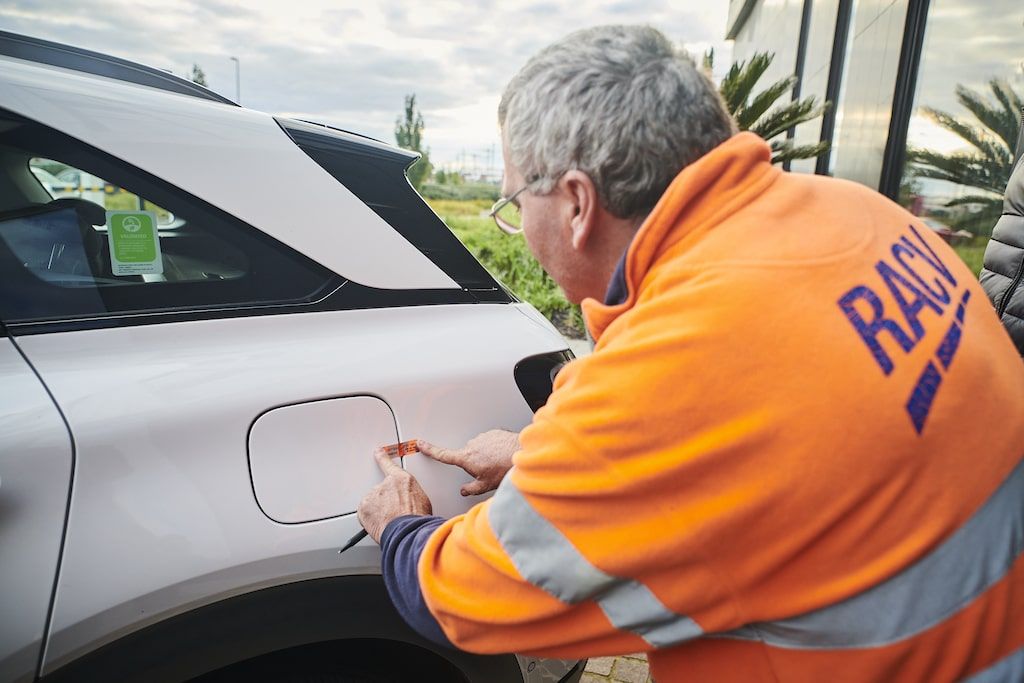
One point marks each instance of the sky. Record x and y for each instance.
(965, 45)
(351, 63)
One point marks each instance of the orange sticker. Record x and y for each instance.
(398, 450)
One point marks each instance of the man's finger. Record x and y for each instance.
(446, 455)
(475, 488)
(385, 462)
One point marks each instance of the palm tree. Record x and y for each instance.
(752, 111)
(988, 165)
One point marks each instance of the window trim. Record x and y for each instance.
(844, 19)
(894, 157)
(349, 296)
(801, 60)
(739, 19)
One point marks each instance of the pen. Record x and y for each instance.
(360, 535)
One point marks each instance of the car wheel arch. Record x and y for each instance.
(265, 621)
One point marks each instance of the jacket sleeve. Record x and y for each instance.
(558, 563)
(402, 544)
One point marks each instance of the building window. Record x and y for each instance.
(966, 116)
(817, 60)
(865, 103)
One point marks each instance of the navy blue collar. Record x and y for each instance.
(618, 291)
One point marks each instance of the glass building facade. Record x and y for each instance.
(926, 94)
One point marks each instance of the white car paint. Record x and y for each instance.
(309, 462)
(222, 154)
(35, 462)
(163, 516)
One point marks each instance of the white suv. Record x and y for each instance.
(197, 357)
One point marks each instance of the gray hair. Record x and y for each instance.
(620, 103)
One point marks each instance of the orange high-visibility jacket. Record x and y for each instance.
(794, 455)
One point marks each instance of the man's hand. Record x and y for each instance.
(486, 458)
(399, 494)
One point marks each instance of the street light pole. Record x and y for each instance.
(238, 80)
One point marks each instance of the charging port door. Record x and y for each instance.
(313, 461)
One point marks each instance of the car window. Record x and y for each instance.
(84, 235)
(61, 181)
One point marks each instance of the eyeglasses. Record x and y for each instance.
(505, 211)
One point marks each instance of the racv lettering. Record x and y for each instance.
(936, 290)
(911, 304)
(864, 308)
(869, 330)
(932, 258)
(922, 288)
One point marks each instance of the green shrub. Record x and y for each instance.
(476, 208)
(508, 259)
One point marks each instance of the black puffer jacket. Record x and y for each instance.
(1003, 274)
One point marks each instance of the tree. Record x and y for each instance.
(409, 135)
(708, 62)
(198, 76)
(988, 165)
(752, 111)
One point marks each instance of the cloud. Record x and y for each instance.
(348, 62)
(963, 45)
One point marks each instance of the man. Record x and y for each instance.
(795, 453)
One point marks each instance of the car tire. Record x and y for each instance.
(357, 661)
(337, 677)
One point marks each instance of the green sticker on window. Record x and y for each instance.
(134, 243)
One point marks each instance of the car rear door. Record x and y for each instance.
(36, 460)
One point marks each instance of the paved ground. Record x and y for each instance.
(626, 669)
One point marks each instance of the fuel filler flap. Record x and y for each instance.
(314, 460)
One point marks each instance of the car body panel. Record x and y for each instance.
(150, 436)
(35, 472)
(163, 517)
(308, 461)
(222, 154)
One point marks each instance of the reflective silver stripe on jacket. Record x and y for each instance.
(968, 563)
(549, 560)
(1009, 669)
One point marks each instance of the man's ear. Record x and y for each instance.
(586, 206)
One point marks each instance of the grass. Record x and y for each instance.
(972, 253)
(508, 259)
